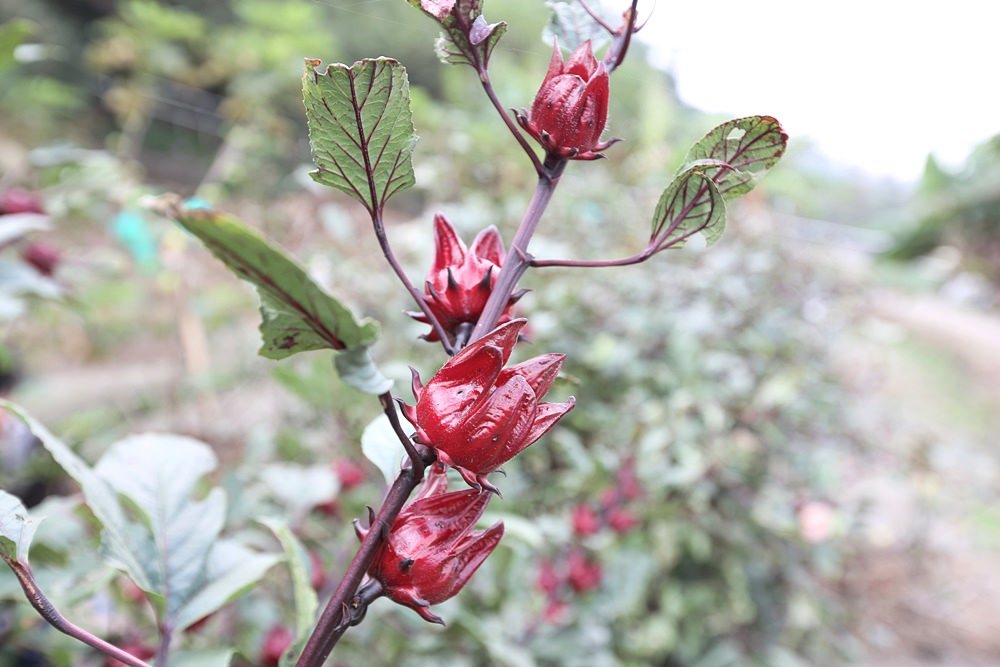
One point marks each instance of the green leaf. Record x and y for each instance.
(231, 570)
(749, 146)
(17, 225)
(16, 529)
(573, 26)
(124, 543)
(360, 128)
(216, 657)
(691, 203)
(468, 39)
(306, 602)
(300, 488)
(157, 475)
(381, 446)
(297, 314)
(13, 33)
(357, 369)
(173, 551)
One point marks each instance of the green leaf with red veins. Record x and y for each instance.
(691, 204)
(360, 128)
(750, 146)
(297, 314)
(573, 26)
(16, 529)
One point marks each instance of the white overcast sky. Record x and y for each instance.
(876, 84)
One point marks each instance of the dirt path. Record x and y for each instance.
(928, 592)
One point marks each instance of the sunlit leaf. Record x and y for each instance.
(231, 569)
(749, 146)
(157, 474)
(300, 488)
(360, 128)
(691, 203)
(381, 446)
(16, 528)
(125, 544)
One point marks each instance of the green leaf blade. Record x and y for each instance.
(299, 566)
(749, 146)
(231, 569)
(16, 529)
(123, 545)
(297, 315)
(360, 128)
(572, 25)
(692, 203)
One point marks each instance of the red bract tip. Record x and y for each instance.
(461, 279)
(431, 551)
(570, 109)
(479, 415)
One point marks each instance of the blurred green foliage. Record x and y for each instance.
(960, 208)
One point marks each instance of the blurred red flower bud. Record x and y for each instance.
(548, 579)
(43, 256)
(628, 482)
(19, 200)
(276, 642)
(431, 551)
(317, 571)
(477, 414)
(350, 473)
(584, 574)
(585, 520)
(555, 611)
(571, 107)
(621, 520)
(461, 279)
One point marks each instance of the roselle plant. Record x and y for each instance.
(472, 416)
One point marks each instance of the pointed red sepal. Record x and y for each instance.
(488, 245)
(449, 250)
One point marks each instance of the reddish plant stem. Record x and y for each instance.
(484, 79)
(163, 650)
(389, 407)
(337, 614)
(47, 610)
(623, 38)
(517, 259)
(652, 249)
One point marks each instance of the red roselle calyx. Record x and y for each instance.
(431, 551)
(477, 414)
(571, 107)
(461, 279)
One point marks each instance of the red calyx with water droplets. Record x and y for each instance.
(477, 414)
(431, 551)
(570, 109)
(461, 278)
